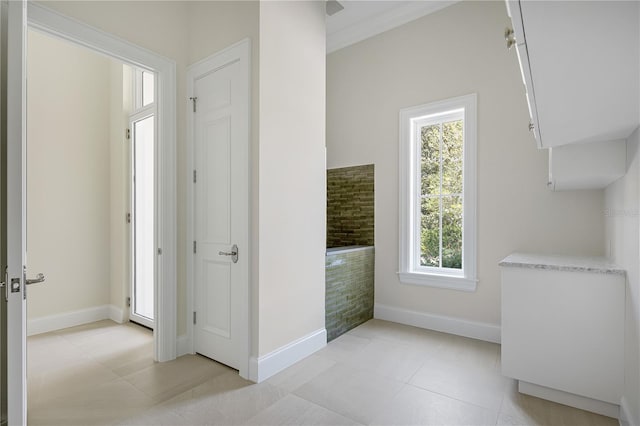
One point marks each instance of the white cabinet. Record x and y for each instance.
(580, 65)
(587, 165)
(563, 329)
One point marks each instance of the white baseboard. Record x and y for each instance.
(182, 345)
(476, 330)
(73, 318)
(577, 401)
(263, 367)
(626, 416)
(116, 314)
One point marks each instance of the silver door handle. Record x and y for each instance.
(38, 279)
(233, 253)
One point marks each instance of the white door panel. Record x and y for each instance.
(217, 294)
(215, 171)
(221, 211)
(15, 209)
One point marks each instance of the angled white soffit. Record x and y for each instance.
(363, 19)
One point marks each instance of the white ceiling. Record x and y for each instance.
(362, 19)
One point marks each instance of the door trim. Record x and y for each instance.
(239, 52)
(16, 149)
(55, 24)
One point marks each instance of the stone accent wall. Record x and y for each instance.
(350, 196)
(349, 290)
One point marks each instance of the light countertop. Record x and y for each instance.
(599, 265)
(346, 249)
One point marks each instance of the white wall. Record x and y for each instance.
(292, 172)
(68, 176)
(456, 51)
(622, 201)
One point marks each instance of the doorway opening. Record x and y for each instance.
(78, 190)
(164, 226)
(91, 192)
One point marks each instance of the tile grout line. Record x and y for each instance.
(454, 398)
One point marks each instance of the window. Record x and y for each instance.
(147, 88)
(438, 194)
(143, 88)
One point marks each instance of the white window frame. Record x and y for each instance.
(410, 271)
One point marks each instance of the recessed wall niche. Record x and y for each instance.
(350, 206)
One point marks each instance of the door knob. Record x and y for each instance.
(38, 279)
(233, 253)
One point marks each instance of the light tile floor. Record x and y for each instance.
(380, 373)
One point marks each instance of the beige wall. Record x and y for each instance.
(68, 176)
(162, 27)
(292, 172)
(623, 243)
(120, 106)
(456, 51)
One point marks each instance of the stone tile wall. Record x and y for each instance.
(350, 197)
(349, 290)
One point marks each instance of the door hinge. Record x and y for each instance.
(128, 301)
(195, 176)
(128, 218)
(195, 247)
(194, 99)
(128, 135)
(194, 317)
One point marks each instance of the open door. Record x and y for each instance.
(13, 201)
(142, 125)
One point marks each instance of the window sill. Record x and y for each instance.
(438, 281)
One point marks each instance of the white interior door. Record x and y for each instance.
(14, 163)
(221, 120)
